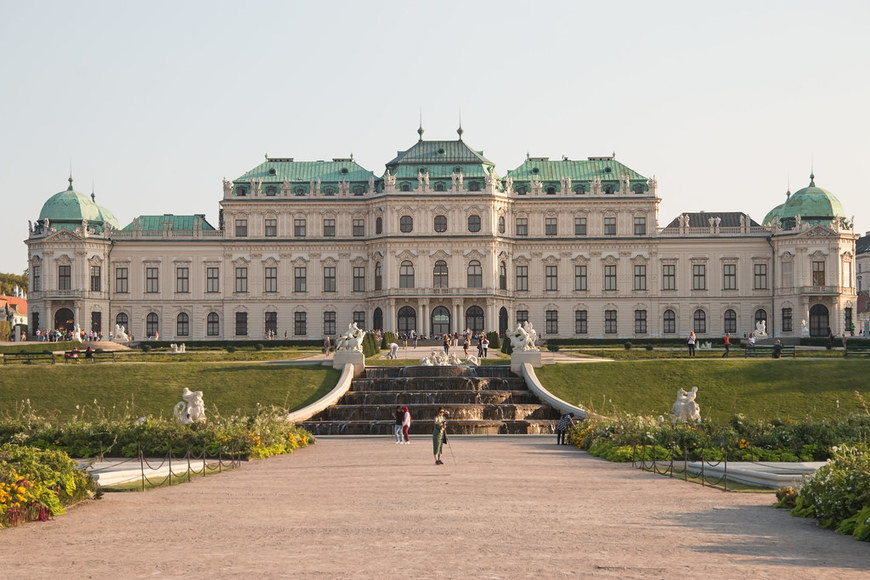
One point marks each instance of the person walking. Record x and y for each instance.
(439, 435)
(465, 346)
(565, 421)
(484, 343)
(727, 344)
(397, 428)
(446, 344)
(691, 343)
(406, 425)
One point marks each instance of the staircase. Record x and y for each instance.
(478, 400)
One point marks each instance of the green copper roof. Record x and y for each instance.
(67, 209)
(281, 170)
(440, 159)
(773, 214)
(108, 218)
(580, 172)
(176, 222)
(813, 204)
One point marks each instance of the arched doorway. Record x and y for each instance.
(64, 320)
(474, 319)
(819, 320)
(378, 319)
(407, 320)
(502, 320)
(440, 321)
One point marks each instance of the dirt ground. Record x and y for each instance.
(501, 507)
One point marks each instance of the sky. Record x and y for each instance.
(151, 104)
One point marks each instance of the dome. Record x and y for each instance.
(68, 208)
(773, 215)
(108, 218)
(813, 204)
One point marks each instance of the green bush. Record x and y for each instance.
(370, 344)
(627, 346)
(259, 346)
(230, 348)
(39, 346)
(494, 340)
(649, 347)
(146, 348)
(507, 347)
(552, 347)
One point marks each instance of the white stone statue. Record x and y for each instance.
(472, 361)
(509, 184)
(420, 178)
(389, 180)
(191, 409)
(685, 408)
(228, 187)
(285, 188)
(522, 339)
(176, 348)
(533, 335)
(120, 334)
(428, 361)
(459, 180)
(761, 329)
(371, 183)
(352, 339)
(805, 330)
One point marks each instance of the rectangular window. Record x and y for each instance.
(522, 278)
(580, 226)
(329, 322)
(522, 316)
(64, 277)
(580, 277)
(610, 321)
(271, 279)
(329, 279)
(669, 277)
(359, 228)
(610, 277)
(299, 228)
(550, 226)
(522, 226)
(786, 320)
(699, 277)
(34, 325)
(787, 274)
(847, 274)
(847, 318)
(241, 279)
(121, 280)
(552, 278)
(818, 273)
(640, 321)
(36, 279)
(359, 279)
(241, 324)
(610, 226)
(271, 227)
(552, 322)
(729, 277)
(97, 322)
(580, 322)
(300, 279)
(212, 280)
(152, 281)
(95, 279)
(241, 228)
(182, 280)
(300, 324)
(270, 324)
(640, 277)
(760, 278)
(359, 317)
(640, 226)
(329, 228)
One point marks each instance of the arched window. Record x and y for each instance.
(474, 223)
(475, 274)
(439, 186)
(579, 189)
(439, 275)
(700, 322)
(405, 186)
(152, 326)
(406, 275)
(407, 320)
(378, 278)
(406, 224)
(502, 276)
(521, 190)
(669, 322)
(300, 190)
(730, 321)
(212, 324)
(440, 320)
(379, 226)
(551, 190)
(122, 320)
(182, 325)
(608, 189)
(501, 227)
(474, 319)
(378, 319)
(440, 223)
(638, 188)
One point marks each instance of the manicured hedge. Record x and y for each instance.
(615, 342)
(218, 344)
(838, 341)
(39, 346)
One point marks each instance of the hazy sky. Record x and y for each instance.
(155, 102)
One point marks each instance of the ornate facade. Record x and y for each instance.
(439, 243)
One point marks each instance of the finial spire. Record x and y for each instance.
(459, 131)
(420, 128)
(70, 188)
(812, 172)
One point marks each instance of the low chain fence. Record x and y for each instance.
(645, 457)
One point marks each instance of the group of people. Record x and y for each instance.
(402, 428)
(67, 335)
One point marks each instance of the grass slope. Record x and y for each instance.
(759, 389)
(119, 390)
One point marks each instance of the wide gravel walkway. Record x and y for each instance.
(508, 507)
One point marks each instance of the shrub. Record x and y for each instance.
(230, 348)
(494, 340)
(259, 346)
(552, 347)
(627, 346)
(507, 347)
(370, 345)
(649, 347)
(146, 348)
(787, 497)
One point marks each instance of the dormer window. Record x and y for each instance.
(271, 190)
(241, 191)
(405, 186)
(608, 189)
(439, 186)
(580, 189)
(551, 190)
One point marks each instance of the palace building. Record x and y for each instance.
(440, 242)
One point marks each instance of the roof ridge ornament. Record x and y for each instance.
(420, 128)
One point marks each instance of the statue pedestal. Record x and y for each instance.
(520, 357)
(354, 357)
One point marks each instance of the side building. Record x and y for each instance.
(439, 243)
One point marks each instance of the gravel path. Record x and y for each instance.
(508, 507)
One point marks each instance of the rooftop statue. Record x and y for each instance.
(228, 187)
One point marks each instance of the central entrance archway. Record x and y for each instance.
(440, 321)
(819, 320)
(407, 320)
(64, 320)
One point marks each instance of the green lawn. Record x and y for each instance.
(759, 389)
(120, 390)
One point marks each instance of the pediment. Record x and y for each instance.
(820, 232)
(63, 236)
